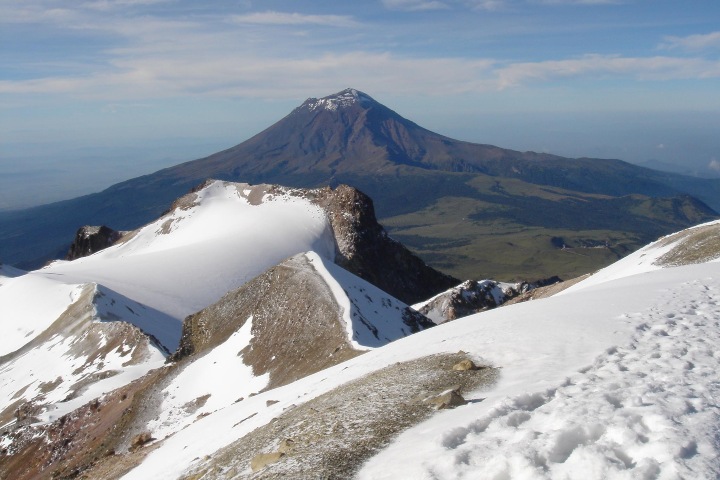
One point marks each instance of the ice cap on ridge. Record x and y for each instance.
(344, 98)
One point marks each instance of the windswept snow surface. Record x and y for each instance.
(646, 407)
(186, 261)
(639, 262)
(372, 317)
(612, 381)
(28, 305)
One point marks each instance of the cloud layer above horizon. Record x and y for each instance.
(83, 77)
(133, 49)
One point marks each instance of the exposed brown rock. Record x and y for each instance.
(140, 440)
(466, 364)
(295, 323)
(83, 441)
(262, 460)
(448, 399)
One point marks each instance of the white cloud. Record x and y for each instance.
(208, 55)
(693, 42)
(198, 73)
(284, 18)
(581, 2)
(714, 165)
(490, 5)
(145, 73)
(414, 5)
(637, 68)
(104, 5)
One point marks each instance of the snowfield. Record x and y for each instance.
(186, 261)
(614, 380)
(22, 315)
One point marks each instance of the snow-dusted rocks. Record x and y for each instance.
(473, 296)
(343, 99)
(465, 299)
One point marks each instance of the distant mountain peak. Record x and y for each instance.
(343, 99)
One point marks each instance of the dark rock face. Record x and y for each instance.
(365, 249)
(363, 246)
(89, 240)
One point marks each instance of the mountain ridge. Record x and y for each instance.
(608, 370)
(405, 169)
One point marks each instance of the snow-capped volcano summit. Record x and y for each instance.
(342, 99)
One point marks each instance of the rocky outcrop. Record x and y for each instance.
(89, 240)
(295, 324)
(475, 296)
(365, 249)
(298, 327)
(363, 246)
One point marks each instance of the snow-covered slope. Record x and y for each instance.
(299, 317)
(372, 318)
(29, 304)
(75, 330)
(694, 245)
(91, 348)
(615, 380)
(213, 241)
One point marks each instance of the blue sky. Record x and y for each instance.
(93, 92)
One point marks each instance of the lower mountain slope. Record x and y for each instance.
(615, 377)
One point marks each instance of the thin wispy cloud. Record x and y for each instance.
(581, 2)
(105, 5)
(692, 42)
(285, 18)
(414, 5)
(227, 73)
(488, 5)
(635, 68)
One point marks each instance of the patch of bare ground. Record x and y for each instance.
(545, 292)
(91, 442)
(696, 245)
(331, 436)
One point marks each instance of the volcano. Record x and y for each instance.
(473, 210)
